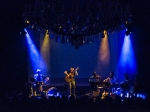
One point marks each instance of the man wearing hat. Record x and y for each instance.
(39, 81)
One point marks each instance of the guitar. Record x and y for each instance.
(69, 77)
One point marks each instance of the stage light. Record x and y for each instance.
(128, 29)
(104, 34)
(76, 22)
(127, 32)
(47, 32)
(28, 22)
(23, 32)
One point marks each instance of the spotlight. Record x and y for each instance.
(28, 22)
(23, 32)
(105, 33)
(127, 32)
(47, 33)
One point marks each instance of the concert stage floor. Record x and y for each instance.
(60, 87)
(82, 87)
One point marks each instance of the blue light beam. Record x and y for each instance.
(127, 61)
(36, 60)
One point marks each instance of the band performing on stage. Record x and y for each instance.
(97, 83)
(110, 86)
(37, 83)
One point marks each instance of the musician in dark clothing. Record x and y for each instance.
(112, 81)
(94, 81)
(126, 77)
(70, 78)
(125, 85)
(38, 81)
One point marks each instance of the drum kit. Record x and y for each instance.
(36, 87)
(118, 87)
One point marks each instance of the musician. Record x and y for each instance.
(38, 81)
(125, 85)
(38, 76)
(94, 81)
(112, 81)
(126, 77)
(70, 75)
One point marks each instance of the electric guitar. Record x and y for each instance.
(69, 77)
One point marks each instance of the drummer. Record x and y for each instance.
(39, 81)
(38, 76)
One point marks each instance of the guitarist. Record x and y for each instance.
(70, 78)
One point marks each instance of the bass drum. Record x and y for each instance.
(52, 91)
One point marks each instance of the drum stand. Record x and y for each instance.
(37, 89)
